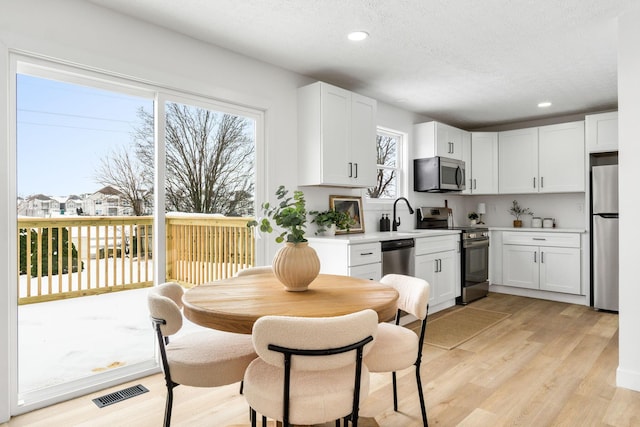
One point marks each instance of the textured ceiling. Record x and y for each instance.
(468, 63)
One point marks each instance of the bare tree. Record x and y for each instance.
(386, 149)
(127, 175)
(209, 159)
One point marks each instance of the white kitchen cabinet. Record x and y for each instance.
(544, 261)
(336, 137)
(363, 260)
(547, 159)
(518, 161)
(601, 132)
(438, 262)
(484, 163)
(437, 139)
(561, 151)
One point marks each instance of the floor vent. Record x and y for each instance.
(119, 396)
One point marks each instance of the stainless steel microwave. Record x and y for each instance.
(438, 175)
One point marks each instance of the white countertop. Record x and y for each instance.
(540, 230)
(379, 236)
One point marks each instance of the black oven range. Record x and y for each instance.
(474, 251)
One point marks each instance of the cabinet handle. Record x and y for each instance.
(534, 182)
(350, 169)
(474, 184)
(356, 170)
(541, 181)
(366, 253)
(541, 257)
(535, 257)
(539, 238)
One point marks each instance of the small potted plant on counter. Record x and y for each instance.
(517, 211)
(330, 220)
(473, 218)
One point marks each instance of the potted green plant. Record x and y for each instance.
(296, 264)
(330, 220)
(473, 218)
(289, 213)
(517, 211)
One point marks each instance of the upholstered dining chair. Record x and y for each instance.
(206, 358)
(397, 347)
(309, 370)
(254, 270)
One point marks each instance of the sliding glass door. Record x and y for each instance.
(106, 171)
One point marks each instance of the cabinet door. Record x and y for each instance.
(601, 132)
(561, 158)
(520, 266)
(560, 269)
(363, 141)
(448, 276)
(518, 163)
(468, 164)
(484, 158)
(448, 141)
(336, 134)
(367, 271)
(425, 269)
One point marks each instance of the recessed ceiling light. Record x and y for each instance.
(544, 104)
(357, 36)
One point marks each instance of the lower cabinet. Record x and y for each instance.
(363, 260)
(554, 267)
(438, 262)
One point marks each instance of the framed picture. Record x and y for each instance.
(351, 205)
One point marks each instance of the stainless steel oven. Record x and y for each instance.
(474, 260)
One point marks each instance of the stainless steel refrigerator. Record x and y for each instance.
(604, 254)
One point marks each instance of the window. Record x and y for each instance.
(389, 159)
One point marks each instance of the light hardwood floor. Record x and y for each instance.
(548, 364)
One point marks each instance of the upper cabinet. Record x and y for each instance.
(561, 158)
(518, 166)
(336, 137)
(484, 163)
(547, 159)
(602, 132)
(437, 139)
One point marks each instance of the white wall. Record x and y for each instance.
(628, 374)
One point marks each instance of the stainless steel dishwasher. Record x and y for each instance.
(398, 257)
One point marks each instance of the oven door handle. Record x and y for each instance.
(475, 243)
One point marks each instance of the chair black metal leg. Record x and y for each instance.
(395, 392)
(264, 421)
(169, 405)
(338, 422)
(422, 405)
(252, 416)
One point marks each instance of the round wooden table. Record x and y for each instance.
(234, 304)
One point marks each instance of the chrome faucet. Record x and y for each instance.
(396, 220)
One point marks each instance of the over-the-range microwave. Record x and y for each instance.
(438, 175)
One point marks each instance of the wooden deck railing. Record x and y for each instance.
(203, 248)
(76, 256)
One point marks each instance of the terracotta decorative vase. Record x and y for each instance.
(517, 223)
(296, 265)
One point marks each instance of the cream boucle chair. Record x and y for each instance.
(310, 370)
(397, 347)
(254, 270)
(206, 358)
